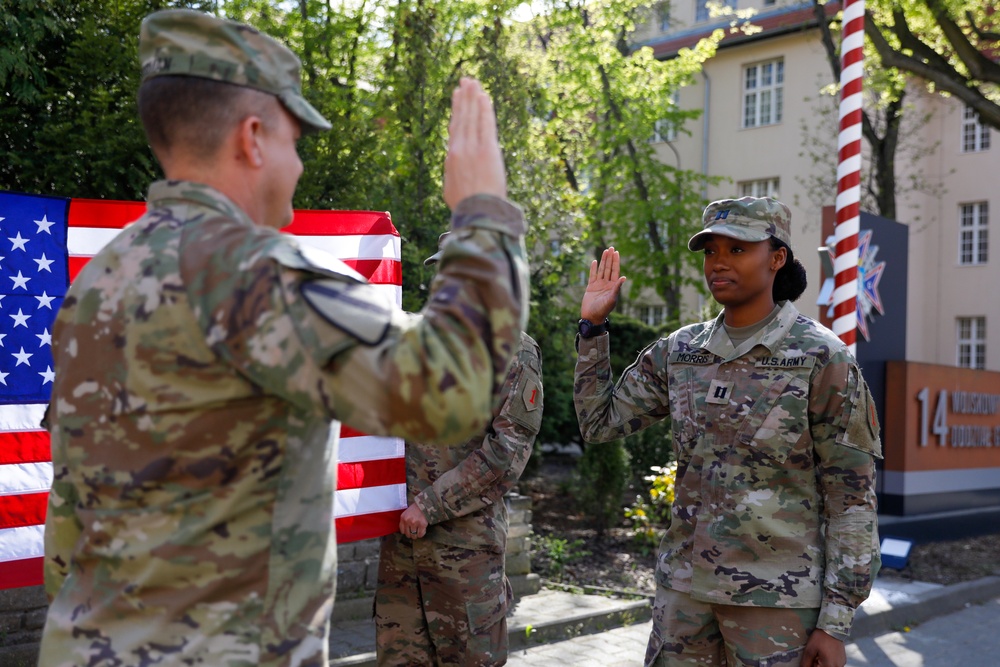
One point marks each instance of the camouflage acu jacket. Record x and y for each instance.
(199, 362)
(460, 489)
(775, 444)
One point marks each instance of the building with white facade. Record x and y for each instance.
(763, 117)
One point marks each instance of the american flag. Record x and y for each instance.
(44, 242)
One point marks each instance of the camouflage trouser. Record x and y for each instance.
(440, 605)
(687, 632)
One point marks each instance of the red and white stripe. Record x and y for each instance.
(848, 206)
(371, 473)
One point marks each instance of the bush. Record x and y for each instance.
(552, 555)
(648, 449)
(650, 515)
(601, 482)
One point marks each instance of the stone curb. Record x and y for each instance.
(522, 636)
(359, 660)
(929, 605)
(577, 625)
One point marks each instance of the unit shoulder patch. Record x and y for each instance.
(530, 395)
(356, 309)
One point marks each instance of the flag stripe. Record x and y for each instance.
(88, 241)
(379, 271)
(359, 447)
(21, 416)
(24, 542)
(105, 213)
(356, 247)
(370, 474)
(367, 526)
(353, 502)
(22, 572)
(25, 509)
(317, 223)
(25, 447)
(25, 478)
(383, 273)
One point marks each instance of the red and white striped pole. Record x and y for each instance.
(845, 264)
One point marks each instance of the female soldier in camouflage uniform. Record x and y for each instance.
(773, 541)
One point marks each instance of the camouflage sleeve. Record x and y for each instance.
(607, 411)
(845, 433)
(62, 530)
(484, 476)
(335, 345)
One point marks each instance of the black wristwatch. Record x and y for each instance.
(588, 329)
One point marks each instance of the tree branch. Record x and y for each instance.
(983, 35)
(980, 67)
(945, 78)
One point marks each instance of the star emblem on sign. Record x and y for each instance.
(869, 301)
(869, 275)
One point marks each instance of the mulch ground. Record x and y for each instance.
(567, 549)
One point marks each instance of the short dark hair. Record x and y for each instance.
(791, 280)
(196, 114)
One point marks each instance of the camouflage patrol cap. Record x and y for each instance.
(183, 42)
(747, 219)
(436, 257)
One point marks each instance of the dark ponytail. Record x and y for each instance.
(790, 281)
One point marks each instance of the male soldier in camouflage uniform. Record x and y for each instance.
(201, 356)
(773, 541)
(442, 593)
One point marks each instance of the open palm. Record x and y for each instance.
(603, 287)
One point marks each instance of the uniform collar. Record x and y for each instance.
(714, 338)
(162, 193)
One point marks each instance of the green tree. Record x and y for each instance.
(950, 44)
(604, 101)
(574, 106)
(890, 126)
(70, 73)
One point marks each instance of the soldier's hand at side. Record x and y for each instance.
(603, 287)
(474, 164)
(823, 650)
(412, 522)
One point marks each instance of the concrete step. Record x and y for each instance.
(542, 618)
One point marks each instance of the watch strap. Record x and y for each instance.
(589, 330)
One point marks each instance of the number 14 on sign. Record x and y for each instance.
(940, 426)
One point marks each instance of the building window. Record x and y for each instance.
(663, 16)
(975, 135)
(663, 131)
(701, 8)
(764, 187)
(763, 87)
(973, 239)
(972, 342)
(654, 316)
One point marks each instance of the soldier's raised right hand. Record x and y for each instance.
(474, 164)
(603, 287)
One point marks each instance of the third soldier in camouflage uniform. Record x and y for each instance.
(442, 593)
(773, 541)
(201, 358)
